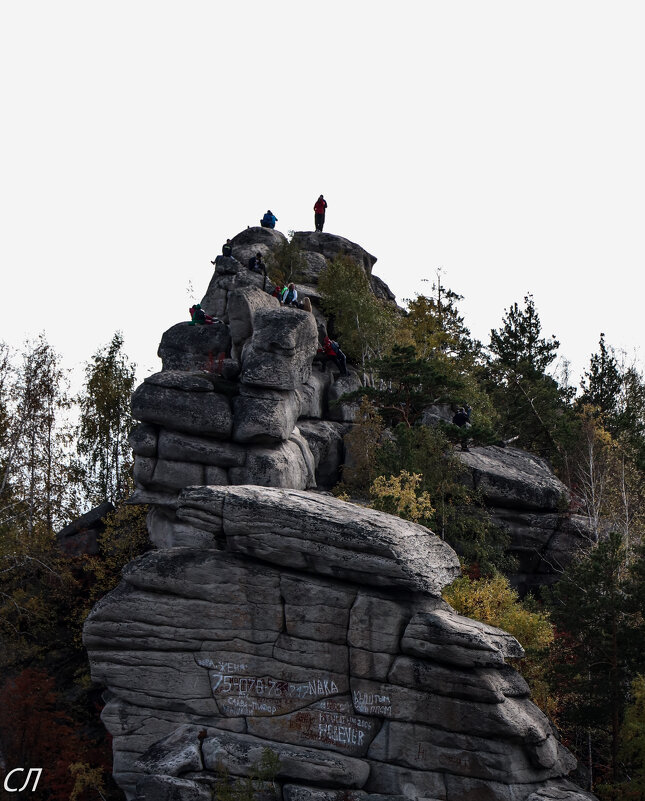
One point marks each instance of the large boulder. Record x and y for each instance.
(202, 411)
(279, 354)
(281, 620)
(330, 246)
(513, 478)
(194, 347)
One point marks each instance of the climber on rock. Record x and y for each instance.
(331, 351)
(269, 220)
(289, 295)
(462, 420)
(227, 250)
(319, 213)
(199, 317)
(256, 265)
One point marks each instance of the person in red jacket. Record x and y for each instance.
(319, 213)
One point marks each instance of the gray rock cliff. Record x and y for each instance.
(270, 616)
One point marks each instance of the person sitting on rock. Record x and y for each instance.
(256, 265)
(269, 220)
(199, 317)
(306, 305)
(227, 250)
(289, 295)
(331, 351)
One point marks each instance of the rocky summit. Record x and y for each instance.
(273, 619)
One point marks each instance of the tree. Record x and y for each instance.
(533, 410)
(437, 328)
(105, 423)
(287, 262)
(362, 322)
(603, 381)
(518, 344)
(595, 608)
(458, 514)
(34, 484)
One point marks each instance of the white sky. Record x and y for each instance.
(503, 141)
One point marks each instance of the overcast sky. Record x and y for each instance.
(501, 141)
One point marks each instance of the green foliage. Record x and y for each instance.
(602, 382)
(534, 411)
(407, 384)
(362, 323)
(458, 517)
(105, 423)
(518, 344)
(596, 606)
(437, 328)
(361, 446)
(287, 263)
(35, 486)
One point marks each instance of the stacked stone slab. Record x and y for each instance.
(529, 502)
(271, 617)
(286, 620)
(228, 404)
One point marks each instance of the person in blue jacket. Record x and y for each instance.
(269, 220)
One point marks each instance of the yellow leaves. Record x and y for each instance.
(399, 495)
(86, 778)
(493, 601)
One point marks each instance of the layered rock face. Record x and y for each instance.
(528, 501)
(274, 617)
(238, 402)
(286, 620)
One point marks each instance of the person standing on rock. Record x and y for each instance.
(227, 250)
(269, 220)
(319, 213)
(462, 419)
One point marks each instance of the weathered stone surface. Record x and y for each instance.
(280, 465)
(326, 442)
(331, 246)
(283, 344)
(256, 240)
(195, 381)
(194, 347)
(203, 413)
(81, 535)
(143, 440)
(511, 478)
(264, 415)
(190, 448)
(343, 411)
(171, 476)
(447, 637)
(313, 394)
(330, 537)
(243, 303)
(166, 531)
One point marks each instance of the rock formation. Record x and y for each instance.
(275, 617)
(528, 501)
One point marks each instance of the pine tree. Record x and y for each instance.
(530, 403)
(602, 382)
(518, 344)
